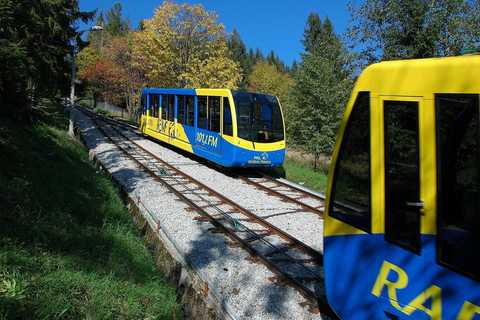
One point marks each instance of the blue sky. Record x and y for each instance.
(267, 24)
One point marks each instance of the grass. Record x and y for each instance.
(68, 248)
(300, 167)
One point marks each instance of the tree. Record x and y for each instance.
(391, 30)
(113, 74)
(35, 40)
(316, 105)
(239, 55)
(311, 33)
(321, 89)
(89, 72)
(115, 24)
(183, 46)
(266, 78)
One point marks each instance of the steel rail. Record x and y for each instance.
(283, 196)
(297, 243)
(272, 266)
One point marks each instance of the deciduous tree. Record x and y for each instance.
(391, 30)
(266, 78)
(183, 46)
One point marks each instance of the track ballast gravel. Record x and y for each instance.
(244, 285)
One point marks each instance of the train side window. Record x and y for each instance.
(202, 113)
(458, 160)
(214, 114)
(171, 107)
(150, 104)
(190, 111)
(164, 106)
(227, 118)
(244, 116)
(156, 105)
(402, 175)
(181, 109)
(352, 183)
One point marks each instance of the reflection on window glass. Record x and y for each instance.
(459, 198)
(181, 109)
(259, 117)
(144, 104)
(190, 115)
(150, 104)
(171, 108)
(164, 106)
(227, 118)
(402, 176)
(214, 114)
(202, 113)
(351, 191)
(156, 103)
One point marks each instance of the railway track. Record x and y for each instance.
(291, 260)
(308, 201)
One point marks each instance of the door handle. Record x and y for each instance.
(419, 204)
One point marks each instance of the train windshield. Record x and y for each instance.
(259, 117)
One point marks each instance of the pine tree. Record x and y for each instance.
(239, 54)
(321, 88)
(311, 33)
(34, 43)
(115, 24)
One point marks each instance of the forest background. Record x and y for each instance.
(183, 46)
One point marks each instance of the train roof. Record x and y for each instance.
(421, 77)
(237, 94)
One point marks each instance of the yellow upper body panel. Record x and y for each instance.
(405, 80)
(422, 77)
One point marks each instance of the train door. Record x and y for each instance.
(409, 172)
(184, 127)
(208, 124)
(402, 173)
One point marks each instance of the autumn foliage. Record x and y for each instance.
(182, 46)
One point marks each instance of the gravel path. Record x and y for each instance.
(244, 285)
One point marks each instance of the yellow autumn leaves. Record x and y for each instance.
(182, 46)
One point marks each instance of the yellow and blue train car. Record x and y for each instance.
(402, 221)
(229, 127)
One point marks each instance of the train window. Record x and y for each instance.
(156, 105)
(273, 110)
(190, 111)
(150, 104)
(181, 109)
(171, 108)
(202, 113)
(214, 114)
(351, 192)
(402, 175)
(458, 183)
(259, 118)
(244, 119)
(227, 118)
(144, 104)
(164, 106)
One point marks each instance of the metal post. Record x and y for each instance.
(72, 91)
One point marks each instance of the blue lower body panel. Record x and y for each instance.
(368, 278)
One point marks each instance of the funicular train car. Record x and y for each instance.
(231, 128)
(402, 221)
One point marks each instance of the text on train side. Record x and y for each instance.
(433, 294)
(207, 139)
